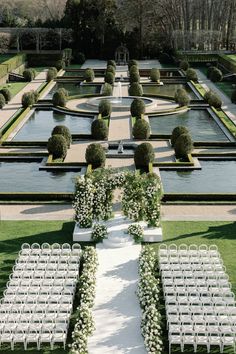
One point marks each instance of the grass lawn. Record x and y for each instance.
(73, 66)
(14, 87)
(4, 57)
(223, 234)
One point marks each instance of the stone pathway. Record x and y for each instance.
(13, 106)
(117, 313)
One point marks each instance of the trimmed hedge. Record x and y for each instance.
(95, 155)
(109, 77)
(141, 129)
(132, 62)
(134, 69)
(99, 129)
(59, 98)
(134, 77)
(155, 75)
(39, 59)
(183, 146)
(3, 70)
(104, 108)
(111, 62)
(107, 89)
(213, 99)
(64, 131)
(89, 75)
(15, 62)
(184, 65)
(181, 97)
(191, 75)
(135, 89)
(144, 155)
(137, 108)
(177, 131)
(111, 68)
(216, 75)
(6, 93)
(57, 146)
(2, 101)
(29, 74)
(51, 74)
(29, 98)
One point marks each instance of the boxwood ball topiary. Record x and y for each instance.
(99, 129)
(215, 101)
(155, 75)
(233, 96)
(137, 108)
(57, 146)
(28, 74)
(208, 94)
(64, 131)
(107, 89)
(177, 131)
(59, 99)
(60, 64)
(135, 89)
(89, 75)
(95, 155)
(181, 97)
(28, 99)
(63, 91)
(183, 146)
(2, 101)
(111, 69)
(109, 77)
(141, 129)
(184, 65)
(132, 62)
(134, 77)
(191, 75)
(51, 74)
(111, 62)
(6, 93)
(104, 108)
(216, 75)
(144, 154)
(133, 69)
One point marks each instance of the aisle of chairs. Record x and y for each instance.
(200, 304)
(38, 299)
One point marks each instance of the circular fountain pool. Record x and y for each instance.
(118, 104)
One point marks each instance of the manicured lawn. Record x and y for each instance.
(4, 57)
(223, 234)
(14, 87)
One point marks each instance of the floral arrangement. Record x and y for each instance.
(136, 231)
(99, 232)
(153, 194)
(148, 292)
(84, 326)
(83, 202)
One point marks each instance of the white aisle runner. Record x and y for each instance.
(116, 312)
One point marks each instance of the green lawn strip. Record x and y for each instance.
(73, 66)
(226, 121)
(14, 87)
(13, 234)
(208, 232)
(4, 57)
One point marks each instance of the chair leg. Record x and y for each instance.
(169, 348)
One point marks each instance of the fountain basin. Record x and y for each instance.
(119, 104)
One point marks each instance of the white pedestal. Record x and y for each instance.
(82, 235)
(152, 234)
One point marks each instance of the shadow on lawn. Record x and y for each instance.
(223, 232)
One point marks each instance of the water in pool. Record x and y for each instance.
(167, 89)
(199, 122)
(75, 89)
(41, 123)
(216, 176)
(26, 177)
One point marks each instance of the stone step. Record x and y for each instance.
(111, 244)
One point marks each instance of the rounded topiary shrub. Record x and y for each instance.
(216, 75)
(155, 75)
(28, 99)
(57, 146)
(134, 77)
(183, 146)
(104, 108)
(135, 89)
(6, 93)
(107, 89)
(64, 131)
(28, 74)
(89, 75)
(134, 69)
(181, 97)
(215, 101)
(95, 155)
(79, 58)
(144, 154)
(184, 65)
(137, 108)
(233, 97)
(141, 129)
(191, 75)
(63, 91)
(36, 95)
(208, 94)
(59, 99)
(111, 62)
(60, 64)
(51, 74)
(177, 131)
(111, 69)
(209, 70)
(2, 101)
(109, 77)
(165, 58)
(99, 129)
(132, 62)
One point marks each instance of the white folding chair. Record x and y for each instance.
(58, 336)
(35, 249)
(32, 337)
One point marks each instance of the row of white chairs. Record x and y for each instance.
(46, 248)
(201, 268)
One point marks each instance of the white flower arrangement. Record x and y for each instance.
(136, 231)
(99, 232)
(84, 326)
(148, 292)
